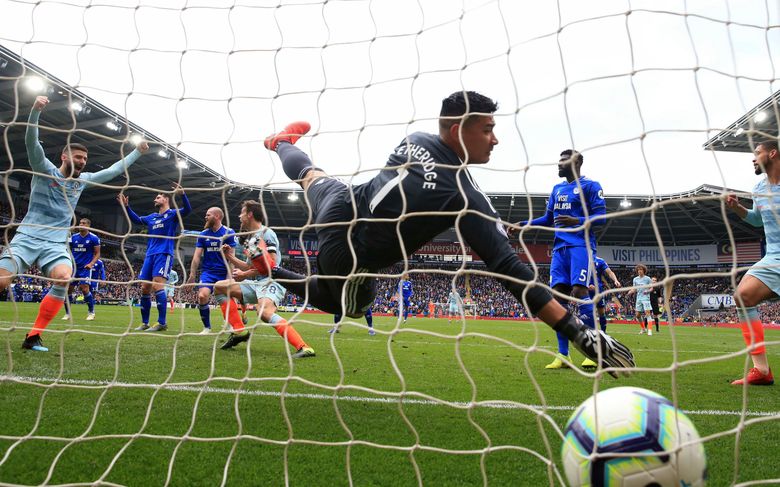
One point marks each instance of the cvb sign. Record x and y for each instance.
(715, 301)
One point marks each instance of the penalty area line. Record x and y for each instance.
(341, 398)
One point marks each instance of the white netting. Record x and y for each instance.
(636, 86)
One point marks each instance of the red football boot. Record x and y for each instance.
(290, 133)
(754, 377)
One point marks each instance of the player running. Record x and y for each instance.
(162, 226)
(209, 259)
(85, 248)
(643, 306)
(762, 281)
(43, 234)
(574, 203)
(388, 218)
(251, 287)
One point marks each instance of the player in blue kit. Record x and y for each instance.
(85, 249)
(43, 234)
(210, 260)
(159, 253)
(405, 293)
(643, 306)
(577, 202)
(603, 272)
(97, 275)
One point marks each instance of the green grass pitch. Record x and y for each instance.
(392, 409)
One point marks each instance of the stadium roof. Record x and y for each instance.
(689, 218)
(757, 124)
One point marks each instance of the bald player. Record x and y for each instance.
(214, 264)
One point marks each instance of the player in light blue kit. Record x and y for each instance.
(603, 272)
(405, 293)
(85, 248)
(251, 287)
(577, 202)
(209, 259)
(170, 288)
(43, 234)
(454, 305)
(159, 253)
(644, 308)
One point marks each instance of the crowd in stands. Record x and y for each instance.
(432, 283)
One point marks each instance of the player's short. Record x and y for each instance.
(25, 251)
(254, 291)
(767, 270)
(654, 305)
(94, 286)
(81, 276)
(329, 201)
(157, 265)
(207, 280)
(170, 291)
(453, 309)
(406, 302)
(643, 305)
(570, 267)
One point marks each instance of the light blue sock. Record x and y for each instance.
(90, 300)
(162, 306)
(146, 308)
(205, 315)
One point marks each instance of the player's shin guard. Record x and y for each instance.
(48, 309)
(90, 300)
(752, 330)
(205, 315)
(230, 312)
(287, 331)
(146, 308)
(162, 305)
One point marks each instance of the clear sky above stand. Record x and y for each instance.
(637, 86)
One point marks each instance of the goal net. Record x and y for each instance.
(664, 101)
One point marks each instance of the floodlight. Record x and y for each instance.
(760, 117)
(292, 197)
(76, 106)
(163, 153)
(35, 84)
(182, 164)
(113, 125)
(3, 63)
(625, 203)
(739, 131)
(136, 139)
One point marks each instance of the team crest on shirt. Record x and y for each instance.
(576, 191)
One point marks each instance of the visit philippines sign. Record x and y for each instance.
(679, 255)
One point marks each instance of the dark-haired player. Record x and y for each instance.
(43, 234)
(574, 203)
(161, 227)
(366, 228)
(85, 248)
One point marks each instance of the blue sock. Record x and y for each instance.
(563, 344)
(370, 318)
(90, 302)
(603, 322)
(146, 307)
(162, 305)
(586, 314)
(205, 315)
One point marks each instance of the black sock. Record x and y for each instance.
(657, 324)
(295, 162)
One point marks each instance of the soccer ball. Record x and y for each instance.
(663, 445)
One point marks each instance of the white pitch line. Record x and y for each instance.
(358, 399)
